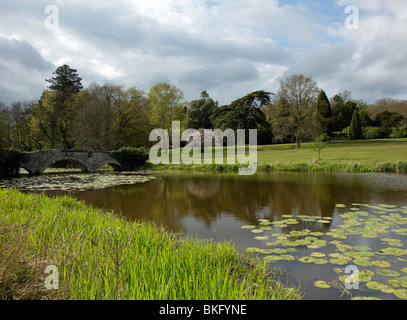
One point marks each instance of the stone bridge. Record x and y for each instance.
(87, 161)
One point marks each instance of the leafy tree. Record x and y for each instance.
(387, 120)
(130, 158)
(298, 94)
(245, 113)
(2, 140)
(342, 112)
(163, 99)
(319, 144)
(356, 129)
(200, 112)
(323, 115)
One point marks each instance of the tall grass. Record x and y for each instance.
(102, 256)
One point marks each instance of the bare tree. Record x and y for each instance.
(293, 112)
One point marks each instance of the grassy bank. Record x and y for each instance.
(387, 155)
(101, 256)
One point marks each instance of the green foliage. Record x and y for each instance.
(399, 132)
(387, 120)
(323, 116)
(319, 144)
(355, 129)
(130, 158)
(373, 133)
(200, 112)
(12, 162)
(101, 256)
(245, 113)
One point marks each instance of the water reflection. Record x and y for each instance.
(178, 200)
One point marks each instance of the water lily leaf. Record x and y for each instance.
(257, 231)
(322, 284)
(387, 273)
(404, 270)
(362, 262)
(381, 263)
(306, 259)
(279, 250)
(401, 293)
(318, 254)
(316, 234)
(287, 257)
(272, 258)
(324, 221)
(374, 285)
(261, 238)
(398, 282)
(252, 249)
(249, 227)
(365, 298)
(340, 205)
(362, 248)
(320, 261)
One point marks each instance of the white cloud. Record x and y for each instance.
(229, 47)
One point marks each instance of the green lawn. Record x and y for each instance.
(385, 155)
(371, 151)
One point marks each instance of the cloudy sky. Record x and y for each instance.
(227, 47)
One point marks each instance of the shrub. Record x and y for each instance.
(12, 163)
(400, 132)
(130, 158)
(373, 133)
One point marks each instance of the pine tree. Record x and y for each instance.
(356, 129)
(66, 82)
(323, 116)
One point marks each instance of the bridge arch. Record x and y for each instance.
(88, 161)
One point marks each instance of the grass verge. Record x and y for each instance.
(386, 155)
(102, 256)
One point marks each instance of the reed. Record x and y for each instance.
(100, 255)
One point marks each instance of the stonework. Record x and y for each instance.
(88, 161)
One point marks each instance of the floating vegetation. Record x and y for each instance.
(75, 181)
(372, 225)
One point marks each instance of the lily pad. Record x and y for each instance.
(248, 227)
(362, 262)
(322, 284)
(387, 273)
(261, 238)
(381, 263)
(401, 293)
(257, 231)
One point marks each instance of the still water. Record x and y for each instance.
(322, 205)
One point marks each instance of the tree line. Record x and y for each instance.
(109, 116)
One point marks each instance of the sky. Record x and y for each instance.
(227, 47)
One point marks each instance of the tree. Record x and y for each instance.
(342, 112)
(323, 116)
(200, 112)
(387, 120)
(57, 109)
(319, 144)
(2, 140)
(66, 82)
(298, 94)
(356, 129)
(245, 113)
(163, 99)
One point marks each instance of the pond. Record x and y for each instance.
(312, 225)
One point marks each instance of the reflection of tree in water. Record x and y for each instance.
(203, 188)
(168, 200)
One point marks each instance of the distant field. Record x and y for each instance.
(385, 155)
(376, 151)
